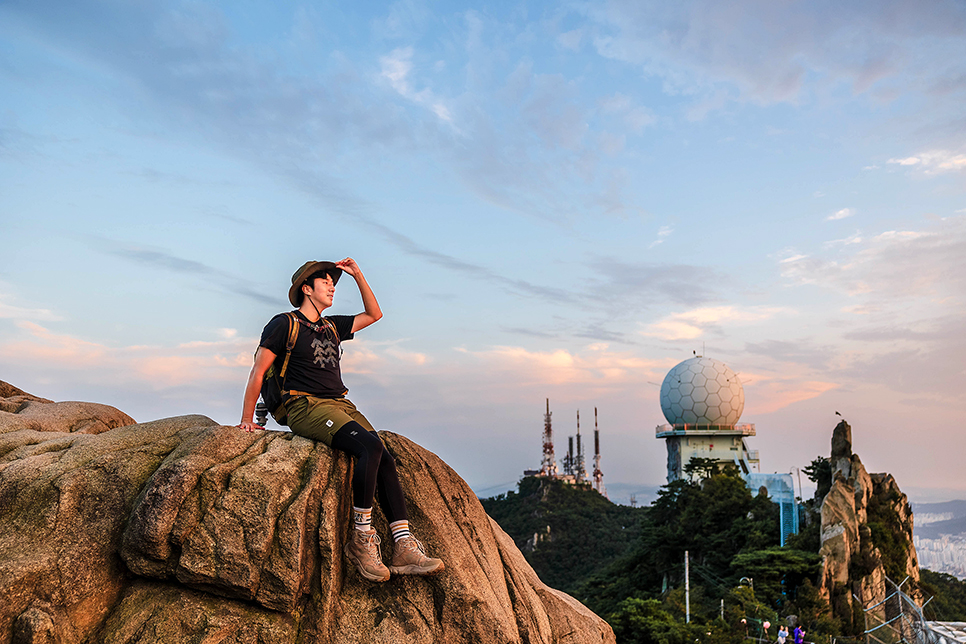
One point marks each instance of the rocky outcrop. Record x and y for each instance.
(854, 568)
(20, 410)
(184, 530)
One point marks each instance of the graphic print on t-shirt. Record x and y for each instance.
(325, 352)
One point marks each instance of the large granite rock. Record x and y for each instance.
(853, 571)
(20, 410)
(184, 530)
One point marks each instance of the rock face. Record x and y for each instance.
(184, 530)
(852, 565)
(20, 410)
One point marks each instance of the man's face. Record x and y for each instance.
(322, 291)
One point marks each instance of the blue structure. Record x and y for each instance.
(781, 490)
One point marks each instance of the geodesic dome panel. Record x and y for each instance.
(702, 391)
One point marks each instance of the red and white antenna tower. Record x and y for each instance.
(598, 475)
(549, 465)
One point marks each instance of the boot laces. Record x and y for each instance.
(372, 545)
(413, 544)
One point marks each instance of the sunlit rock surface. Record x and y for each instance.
(852, 566)
(184, 530)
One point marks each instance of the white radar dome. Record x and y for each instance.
(702, 391)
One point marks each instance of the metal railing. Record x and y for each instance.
(899, 619)
(745, 429)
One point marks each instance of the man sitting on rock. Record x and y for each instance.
(318, 409)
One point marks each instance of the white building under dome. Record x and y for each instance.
(702, 400)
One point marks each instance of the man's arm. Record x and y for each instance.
(372, 313)
(263, 360)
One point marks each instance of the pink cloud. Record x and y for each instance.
(769, 395)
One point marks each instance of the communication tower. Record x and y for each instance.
(598, 474)
(549, 465)
(580, 473)
(568, 460)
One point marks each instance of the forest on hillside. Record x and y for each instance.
(627, 564)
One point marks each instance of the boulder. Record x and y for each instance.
(9, 391)
(852, 566)
(841, 450)
(185, 530)
(20, 410)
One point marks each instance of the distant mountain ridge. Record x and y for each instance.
(934, 530)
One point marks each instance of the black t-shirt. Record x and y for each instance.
(314, 365)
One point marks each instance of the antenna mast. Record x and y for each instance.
(581, 472)
(598, 475)
(549, 465)
(568, 461)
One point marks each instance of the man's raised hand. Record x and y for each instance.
(349, 266)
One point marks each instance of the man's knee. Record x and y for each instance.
(387, 462)
(377, 448)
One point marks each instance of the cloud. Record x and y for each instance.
(627, 287)
(161, 259)
(697, 322)
(595, 366)
(662, 234)
(840, 214)
(207, 364)
(798, 352)
(633, 118)
(892, 264)
(934, 162)
(396, 68)
(767, 53)
(154, 367)
(521, 140)
(11, 311)
(769, 393)
(855, 238)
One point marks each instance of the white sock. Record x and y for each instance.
(362, 518)
(400, 529)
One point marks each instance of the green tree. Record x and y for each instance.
(714, 521)
(566, 532)
(888, 534)
(948, 596)
(814, 613)
(777, 572)
(700, 468)
(819, 471)
(644, 621)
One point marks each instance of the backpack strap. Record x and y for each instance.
(324, 324)
(293, 334)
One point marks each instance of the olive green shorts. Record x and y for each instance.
(320, 418)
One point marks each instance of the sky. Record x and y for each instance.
(550, 200)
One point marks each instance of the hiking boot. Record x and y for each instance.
(362, 549)
(409, 558)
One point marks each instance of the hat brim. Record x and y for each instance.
(295, 294)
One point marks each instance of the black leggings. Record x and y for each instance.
(374, 464)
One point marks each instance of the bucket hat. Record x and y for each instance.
(295, 294)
